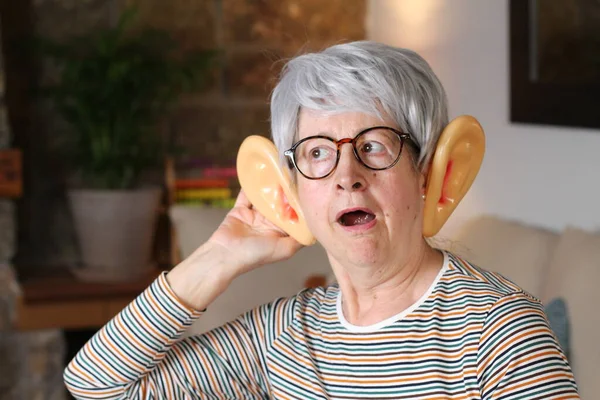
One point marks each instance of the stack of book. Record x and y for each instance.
(213, 186)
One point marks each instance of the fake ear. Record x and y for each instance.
(269, 189)
(453, 169)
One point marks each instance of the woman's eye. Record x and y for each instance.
(373, 147)
(319, 153)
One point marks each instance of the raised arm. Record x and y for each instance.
(139, 354)
(519, 357)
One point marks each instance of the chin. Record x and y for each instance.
(359, 250)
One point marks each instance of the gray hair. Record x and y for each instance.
(366, 77)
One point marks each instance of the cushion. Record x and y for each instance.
(573, 275)
(194, 225)
(558, 317)
(519, 252)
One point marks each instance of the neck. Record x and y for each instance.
(373, 294)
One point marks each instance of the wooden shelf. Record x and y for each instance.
(61, 301)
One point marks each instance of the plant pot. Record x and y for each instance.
(116, 230)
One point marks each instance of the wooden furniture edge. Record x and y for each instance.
(59, 300)
(79, 314)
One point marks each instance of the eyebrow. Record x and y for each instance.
(358, 132)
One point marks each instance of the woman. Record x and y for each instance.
(404, 320)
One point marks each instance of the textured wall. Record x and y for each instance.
(32, 365)
(254, 36)
(7, 211)
(7, 227)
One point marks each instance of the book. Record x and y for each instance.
(201, 183)
(213, 203)
(203, 194)
(220, 172)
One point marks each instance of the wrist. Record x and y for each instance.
(203, 276)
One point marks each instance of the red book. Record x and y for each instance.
(220, 172)
(201, 183)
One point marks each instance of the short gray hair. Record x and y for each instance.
(366, 77)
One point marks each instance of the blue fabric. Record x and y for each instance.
(558, 317)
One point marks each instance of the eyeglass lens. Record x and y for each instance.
(377, 149)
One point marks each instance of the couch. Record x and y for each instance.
(553, 266)
(550, 265)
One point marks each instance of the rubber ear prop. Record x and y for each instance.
(269, 188)
(455, 164)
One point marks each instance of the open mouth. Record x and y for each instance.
(356, 217)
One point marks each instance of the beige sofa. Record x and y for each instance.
(547, 264)
(550, 265)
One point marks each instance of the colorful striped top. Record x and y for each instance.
(473, 335)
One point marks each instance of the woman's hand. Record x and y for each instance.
(251, 239)
(244, 241)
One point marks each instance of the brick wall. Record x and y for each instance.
(254, 37)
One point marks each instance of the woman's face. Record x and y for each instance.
(390, 220)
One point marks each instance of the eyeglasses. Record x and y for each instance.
(377, 148)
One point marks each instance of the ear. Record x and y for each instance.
(453, 169)
(269, 189)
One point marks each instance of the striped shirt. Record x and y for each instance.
(473, 335)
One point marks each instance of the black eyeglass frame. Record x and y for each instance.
(291, 152)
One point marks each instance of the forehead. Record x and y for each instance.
(338, 125)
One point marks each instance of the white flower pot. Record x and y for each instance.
(116, 230)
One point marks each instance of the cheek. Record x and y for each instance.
(312, 203)
(407, 199)
(304, 194)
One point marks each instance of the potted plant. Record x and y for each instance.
(113, 86)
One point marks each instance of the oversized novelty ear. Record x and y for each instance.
(269, 189)
(455, 165)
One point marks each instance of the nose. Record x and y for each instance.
(349, 173)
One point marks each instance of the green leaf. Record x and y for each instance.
(114, 86)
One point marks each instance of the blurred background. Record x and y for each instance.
(100, 98)
(543, 174)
